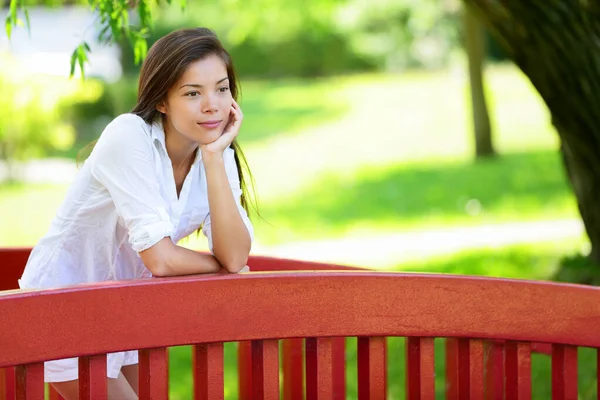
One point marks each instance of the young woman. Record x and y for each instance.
(154, 176)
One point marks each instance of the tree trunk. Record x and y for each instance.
(475, 46)
(556, 43)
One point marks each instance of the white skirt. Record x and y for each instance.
(67, 369)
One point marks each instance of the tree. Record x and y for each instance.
(114, 16)
(555, 43)
(475, 46)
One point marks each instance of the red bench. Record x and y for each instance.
(490, 324)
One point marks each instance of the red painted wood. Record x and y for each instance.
(541, 348)
(245, 370)
(371, 359)
(2, 384)
(451, 368)
(11, 383)
(265, 369)
(319, 374)
(154, 374)
(420, 368)
(494, 370)
(338, 367)
(476, 370)
(264, 263)
(464, 368)
(92, 377)
(208, 371)
(30, 381)
(293, 369)
(171, 318)
(518, 370)
(564, 372)
(12, 263)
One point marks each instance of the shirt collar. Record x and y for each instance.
(158, 134)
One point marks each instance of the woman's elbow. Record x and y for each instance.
(159, 269)
(233, 263)
(157, 258)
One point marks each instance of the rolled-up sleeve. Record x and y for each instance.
(234, 183)
(123, 162)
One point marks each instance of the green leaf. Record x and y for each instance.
(81, 58)
(8, 26)
(13, 10)
(87, 47)
(140, 49)
(73, 60)
(28, 21)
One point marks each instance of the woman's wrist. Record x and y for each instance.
(211, 157)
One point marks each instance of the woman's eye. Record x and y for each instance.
(224, 89)
(192, 94)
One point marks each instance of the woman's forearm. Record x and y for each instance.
(230, 237)
(166, 258)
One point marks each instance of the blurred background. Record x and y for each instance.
(358, 130)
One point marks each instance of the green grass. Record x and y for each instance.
(370, 154)
(526, 261)
(514, 187)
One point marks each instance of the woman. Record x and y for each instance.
(155, 175)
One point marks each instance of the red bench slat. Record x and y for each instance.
(208, 371)
(451, 368)
(420, 368)
(30, 381)
(464, 367)
(371, 358)
(293, 369)
(338, 367)
(564, 372)
(7, 383)
(265, 369)
(245, 370)
(319, 373)
(154, 374)
(92, 377)
(494, 370)
(518, 370)
(476, 370)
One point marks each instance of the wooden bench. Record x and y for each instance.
(306, 312)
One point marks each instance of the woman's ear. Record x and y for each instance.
(161, 108)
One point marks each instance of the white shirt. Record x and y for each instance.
(123, 201)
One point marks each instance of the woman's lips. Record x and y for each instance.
(210, 124)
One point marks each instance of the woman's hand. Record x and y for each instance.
(229, 134)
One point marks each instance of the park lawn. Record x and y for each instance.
(401, 158)
(397, 147)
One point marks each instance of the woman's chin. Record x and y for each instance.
(208, 138)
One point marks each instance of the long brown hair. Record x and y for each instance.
(166, 62)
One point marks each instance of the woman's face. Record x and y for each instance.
(198, 105)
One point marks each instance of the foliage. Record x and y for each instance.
(283, 38)
(115, 18)
(30, 121)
